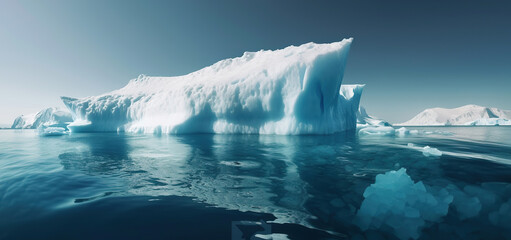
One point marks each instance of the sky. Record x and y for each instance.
(411, 55)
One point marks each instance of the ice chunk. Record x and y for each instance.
(80, 126)
(49, 117)
(369, 125)
(296, 90)
(426, 151)
(429, 151)
(402, 132)
(366, 120)
(273, 236)
(379, 130)
(394, 202)
(52, 131)
(414, 132)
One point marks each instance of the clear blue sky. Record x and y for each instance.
(411, 54)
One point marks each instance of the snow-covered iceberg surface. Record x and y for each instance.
(296, 90)
(467, 115)
(49, 117)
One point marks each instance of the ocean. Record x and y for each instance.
(205, 186)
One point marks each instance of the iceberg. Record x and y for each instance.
(366, 120)
(369, 125)
(489, 122)
(53, 117)
(295, 90)
(469, 115)
(24, 121)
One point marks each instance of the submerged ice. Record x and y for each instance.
(397, 204)
(296, 90)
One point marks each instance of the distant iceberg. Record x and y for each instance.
(53, 117)
(296, 90)
(369, 125)
(469, 115)
(489, 122)
(366, 120)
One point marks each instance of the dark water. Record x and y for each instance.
(121, 186)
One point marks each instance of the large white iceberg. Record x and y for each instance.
(296, 90)
(49, 117)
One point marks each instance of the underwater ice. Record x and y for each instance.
(296, 90)
(53, 117)
(396, 204)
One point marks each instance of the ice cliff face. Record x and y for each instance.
(49, 117)
(466, 115)
(296, 90)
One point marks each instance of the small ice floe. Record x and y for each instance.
(429, 151)
(378, 131)
(52, 131)
(391, 131)
(402, 132)
(273, 236)
(426, 151)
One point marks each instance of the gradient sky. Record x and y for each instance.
(411, 54)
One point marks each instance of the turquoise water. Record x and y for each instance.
(122, 186)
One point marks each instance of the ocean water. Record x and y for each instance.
(123, 186)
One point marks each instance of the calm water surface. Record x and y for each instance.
(123, 186)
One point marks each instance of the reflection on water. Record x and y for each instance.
(313, 181)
